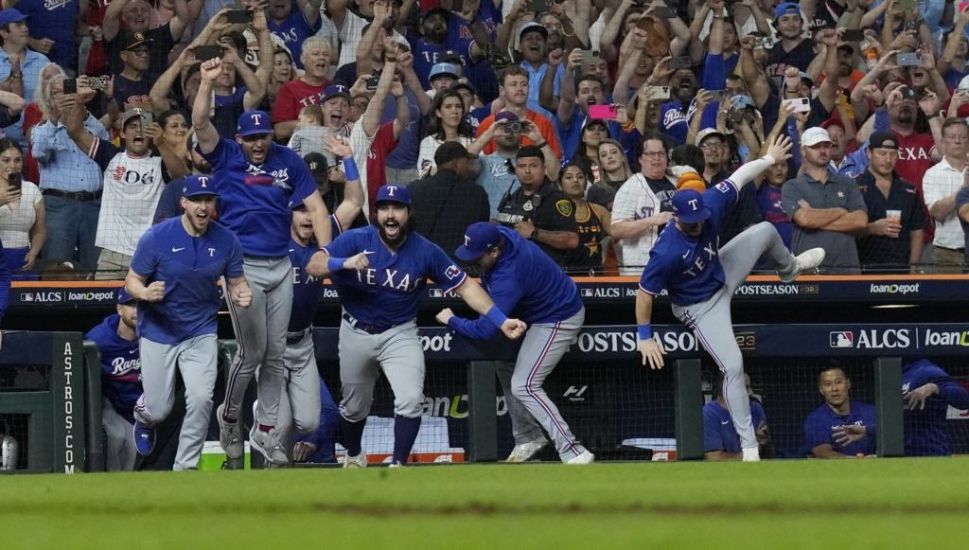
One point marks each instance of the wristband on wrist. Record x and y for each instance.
(542, 144)
(350, 169)
(335, 264)
(496, 317)
(645, 332)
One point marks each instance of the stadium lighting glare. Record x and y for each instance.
(894, 306)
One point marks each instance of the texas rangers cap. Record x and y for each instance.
(444, 69)
(124, 298)
(252, 123)
(814, 136)
(198, 186)
(11, 15)
(786, 8)
(393, 193)
(335, 90)
(688, 206)
(478, 239)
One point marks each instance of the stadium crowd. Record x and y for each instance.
(576, 121)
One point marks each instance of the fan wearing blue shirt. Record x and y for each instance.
(173, 276)
(258, 182)
(928, 392)
(380, 273)
(522, 278)
(701, 279)
(841, 427)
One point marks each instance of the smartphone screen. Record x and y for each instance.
(70, 86)
(238, 16)
(14, 180)
(204, 53)
(602, 112)
(801, 104)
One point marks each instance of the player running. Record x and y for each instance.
(522, 278)
(701, 279)
(380, 272)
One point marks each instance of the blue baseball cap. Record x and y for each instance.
(252, 123)
(335, 90)
(786, 8)
(124, 298)
(198, 186)
(11, 15)
(444, 69)
(393, 193)
(688, 206)
(478, 239)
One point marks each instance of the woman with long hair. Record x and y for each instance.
(446, 122)
(283, 72)
(614, 170)
(22, 217)
(587, 155)
(591, 220)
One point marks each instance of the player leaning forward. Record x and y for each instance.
(173, 276)
(701, 279)
(380, 273)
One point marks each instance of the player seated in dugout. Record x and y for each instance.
(720, 438)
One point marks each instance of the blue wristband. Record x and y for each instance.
(496, 316)
(335, 264)
(350, 169)
(645, 332)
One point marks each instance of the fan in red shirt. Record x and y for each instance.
(305, 90)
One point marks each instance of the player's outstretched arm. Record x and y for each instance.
(650, 349)
(136, 287)
(322, 264)
(201, 121)
(779, 149)
(479, 300)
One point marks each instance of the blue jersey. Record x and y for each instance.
(120, 366)
(293, 31)
(255, 202)
(689, 267)
(307, 289)
(524, 283)
(719, 433)
(925, 430)
(189, 267)
(386, 293)
(819, 426)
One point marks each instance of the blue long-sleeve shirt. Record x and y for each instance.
(925, 430)
(524, 283)
(63, 165)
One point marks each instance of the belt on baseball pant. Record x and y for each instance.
(369, 329)
(296, 337)
(79, 196)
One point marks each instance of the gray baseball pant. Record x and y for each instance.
(523, 424)
(543, 347)
(299, 402)
(197, 361)
(260, 330)
(120, 453)
(712, 323)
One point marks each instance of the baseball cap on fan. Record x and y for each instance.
(786, 8)
(688, 206)
(478, 239)
(814, 136)
(11, 15)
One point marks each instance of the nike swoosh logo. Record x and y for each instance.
(178, 249)
(725, 422)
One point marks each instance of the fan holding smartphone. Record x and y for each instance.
(22, 227)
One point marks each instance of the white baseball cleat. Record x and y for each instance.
(267, 443)
(753, 453)
(359, 461)
(585, 457)
(809, 259)
(525, 451)
(229, 436)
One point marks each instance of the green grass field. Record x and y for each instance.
(874, 503)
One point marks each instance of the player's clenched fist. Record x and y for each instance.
(241, 295)
(513, 329)
(358, 262)
(155, 292)
(652, 353)
(444, 316)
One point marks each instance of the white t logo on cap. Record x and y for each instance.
(203, 182)
(692, 203)
(467, 240)
(256, 119)
(391, 189)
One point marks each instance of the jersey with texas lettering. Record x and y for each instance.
(131, 189)
(387, 292)
(255, 202)
(689, 267)
(120, 366)
(307, 289)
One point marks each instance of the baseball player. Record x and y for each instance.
(522, 278)
(928, 392)
(258, 183)
(117, 342)
(173, 275)
(701, 279)
(380, 272)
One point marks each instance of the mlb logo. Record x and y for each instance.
(586, 293)
(842, 339)
(27, 297)
(436, 293)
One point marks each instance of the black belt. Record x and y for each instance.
(950, 249)
(369, 329)
(79, 196)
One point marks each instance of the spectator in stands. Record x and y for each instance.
(69, 180)
(592, 222)
(283, 72)
(893, 238)
(448, 201)
(358, 105)
(532, 38)
(572, 113)
(19, 66)
(713, 143)
(840, 428)
(941, 185)
(642, 207)
(52, 28)
(442, 77)
(827, 209)
(537, 210)
(513, 92)
(497, 173)
(131, 16)
(429, 47)
(928, 391)
(446, 123)
(770, 203)
(917, 151)
(851, 164)
(120, 356)
(294, 26)
(792, 49)
(344, 29)
(308, 89)
(614, 170)
(587, 151)
(133, 83)
(22, 227)
(720, 439)
(952, 64)
(11, 107)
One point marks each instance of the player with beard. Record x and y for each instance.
(380, 273)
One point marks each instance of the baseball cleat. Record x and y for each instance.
(268, 445)
(144, 438)
(753, 453)
(807, 260)
(229, 436)
(359, 461)
(585, 457)
(525, 451)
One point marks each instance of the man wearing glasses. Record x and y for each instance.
(258, 182)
